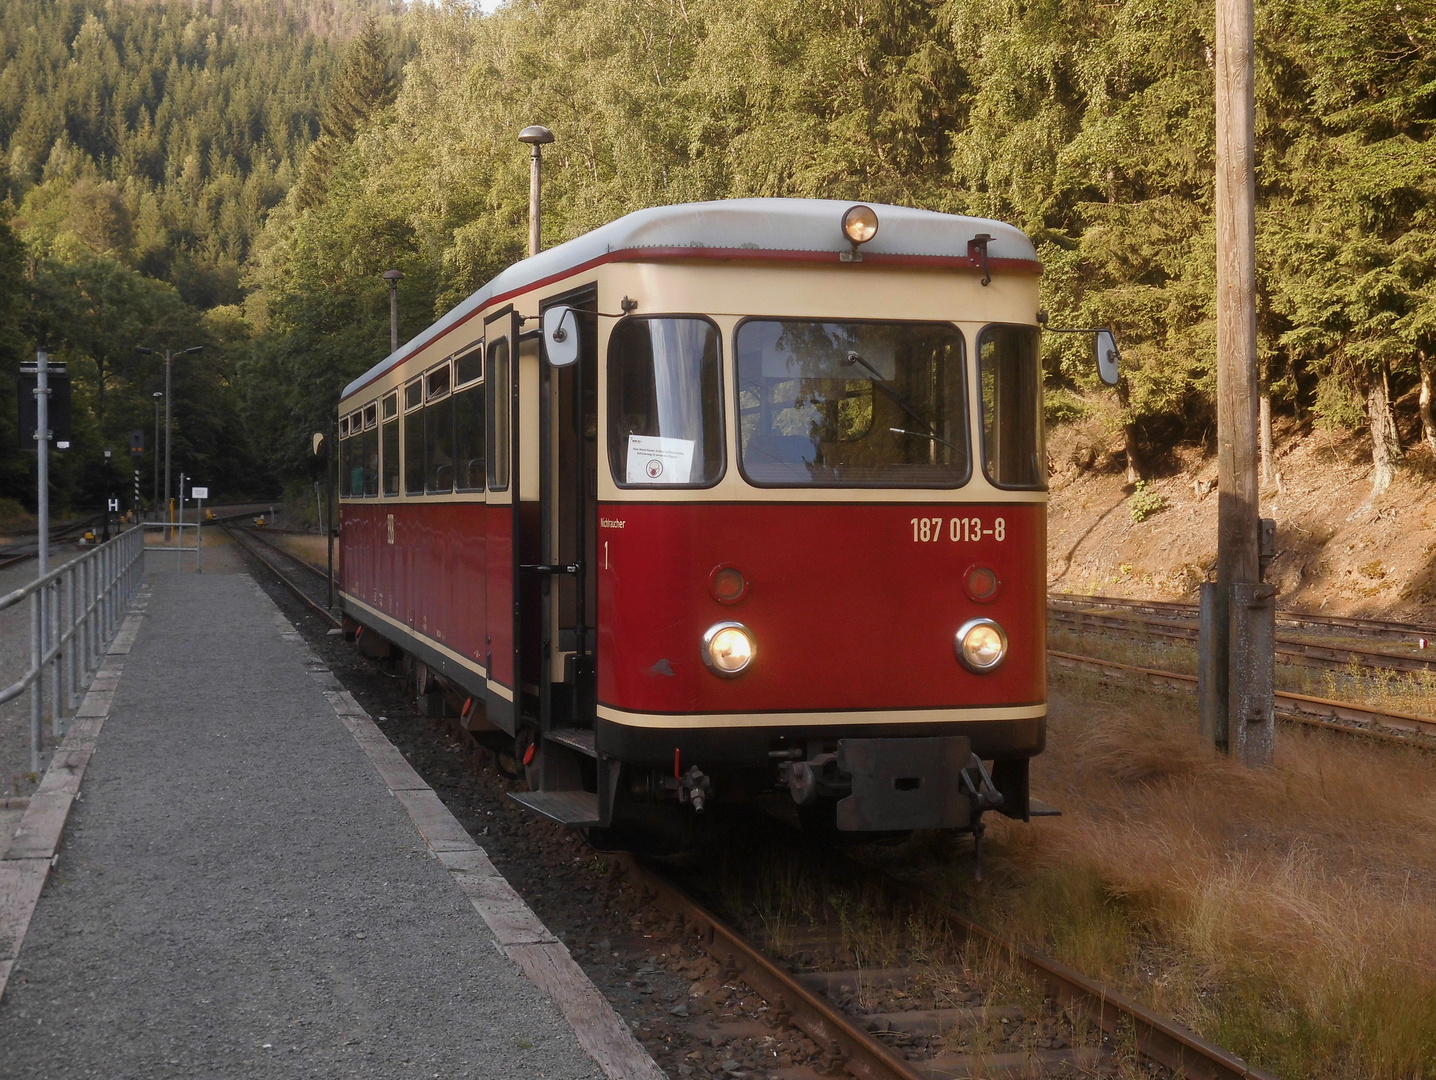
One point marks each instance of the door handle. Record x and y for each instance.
(550, 568)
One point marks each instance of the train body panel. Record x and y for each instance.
(852, 608)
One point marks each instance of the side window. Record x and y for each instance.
(498, 412)
(414, 438)
(1010, 376)
(665, 418)
(389, 445)
(346, 449)
(438, 431)
(369, 450)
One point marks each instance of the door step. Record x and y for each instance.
(1038, 808)
(576, 809)
(580, 739)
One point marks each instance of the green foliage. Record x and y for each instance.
(144, 144)
(1144, 502)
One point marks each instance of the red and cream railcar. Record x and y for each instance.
(721, 499)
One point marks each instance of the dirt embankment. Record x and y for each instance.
(1338, 549)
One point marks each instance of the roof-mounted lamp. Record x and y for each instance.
(860, 224)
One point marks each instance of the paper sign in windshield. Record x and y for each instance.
(653, 459)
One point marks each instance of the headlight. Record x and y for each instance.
(980, 645)
(728, 649)
(860, 223)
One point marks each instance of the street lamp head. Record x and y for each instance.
(158, 395)
(195, 348)
(141, 348)
(393, 276)
(536, 135)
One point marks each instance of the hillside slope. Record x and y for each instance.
(1339, 551)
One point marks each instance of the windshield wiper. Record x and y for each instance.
(927, 435)
(878, 381)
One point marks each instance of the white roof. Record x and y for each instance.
(812, 225)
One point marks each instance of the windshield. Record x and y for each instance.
(852, 404)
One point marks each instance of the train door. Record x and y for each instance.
(574, 784)
(568, 498)
(502, 630)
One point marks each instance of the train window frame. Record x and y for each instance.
(1039, 461)
(389, 418)
(371, 415)
(498, 416)
(446, 369)
(476, 350)
(965, 392)
(409, 410)
(344, 427)
(720, 399)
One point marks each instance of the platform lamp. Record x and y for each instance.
(393, 277)
(537, 136)
(169, 355)
(158, 395)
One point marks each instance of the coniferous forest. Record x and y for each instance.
(238, 174)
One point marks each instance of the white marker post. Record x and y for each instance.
(200, 494)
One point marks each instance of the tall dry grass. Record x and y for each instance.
(1287, 913)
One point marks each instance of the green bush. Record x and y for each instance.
(1145, 502)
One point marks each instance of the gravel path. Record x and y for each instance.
(238, 895)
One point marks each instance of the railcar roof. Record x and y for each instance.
(731, 228)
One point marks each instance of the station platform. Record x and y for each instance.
(228, 871)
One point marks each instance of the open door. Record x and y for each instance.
(502, 516)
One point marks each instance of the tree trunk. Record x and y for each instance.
(1385, 439)
(1428, 425)
(1129, 437)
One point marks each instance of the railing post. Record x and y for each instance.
(36, 687)
(73, 675)
(52, 646)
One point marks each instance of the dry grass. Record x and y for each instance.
(1289, 914)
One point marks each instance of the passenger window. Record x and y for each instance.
(1013, 437)
(414, 438)
(469, 438)
(498, 412)
(346, 449)
(469, 366)
(665, 418)
(389, 445)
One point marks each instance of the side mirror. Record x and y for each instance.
(318, 443)
(1107, 357)
(560, 336)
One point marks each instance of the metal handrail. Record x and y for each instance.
(75, 610)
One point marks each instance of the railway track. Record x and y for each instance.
(872, 1023)
(1289, 650)
(255, 546)
(1171, 609)
(15, 552)
(1300, 708)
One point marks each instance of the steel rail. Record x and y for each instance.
(789, 999)
(1301, 708)
(254, 534)
(1162, 1040)
(282, 576)
(1288, 650)
(1384, 627)
(1165, 1041)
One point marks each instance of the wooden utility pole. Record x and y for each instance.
(1238, 610)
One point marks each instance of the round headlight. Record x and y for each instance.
(728, 649)
(980, 644)
(860, 223)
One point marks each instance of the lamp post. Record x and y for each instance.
(393, 277)
(155, 498)
(169, 355)
(537, 136)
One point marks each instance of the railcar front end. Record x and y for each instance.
(756, 504)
